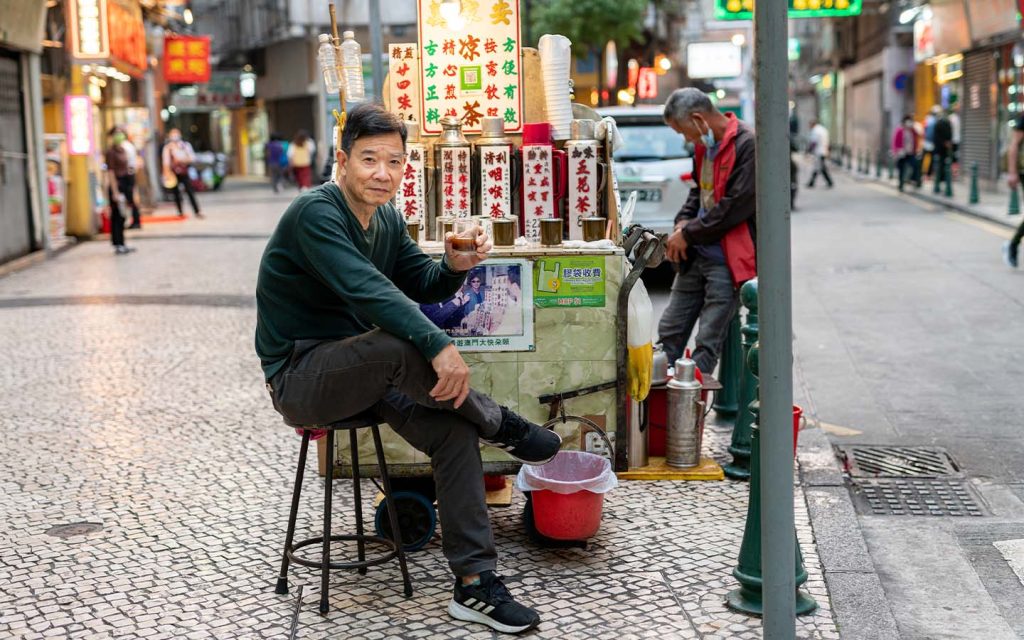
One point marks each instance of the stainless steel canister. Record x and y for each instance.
(683, 440)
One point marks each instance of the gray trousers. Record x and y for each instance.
(327, 381)
(702, 289)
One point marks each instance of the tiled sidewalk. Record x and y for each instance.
(145, 414)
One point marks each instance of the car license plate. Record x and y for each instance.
(642, 195)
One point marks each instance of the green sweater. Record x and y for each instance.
(323, 277)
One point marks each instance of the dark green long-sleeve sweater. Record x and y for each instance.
(323, 277)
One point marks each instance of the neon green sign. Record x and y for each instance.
(744, 9)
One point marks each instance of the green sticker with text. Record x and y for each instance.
(569, 281)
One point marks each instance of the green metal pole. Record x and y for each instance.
(749, 597)
(1014, 203)
(729, 373)
(949, 177)
(775, 301)
(972, 197)
(739, 468)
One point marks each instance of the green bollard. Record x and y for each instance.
(949, 176)
(972, 197)
(878, 164)
(748, 598)
(729, 372)
(1014, 203)
(739, 447)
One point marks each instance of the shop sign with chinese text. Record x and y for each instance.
(403, 81)
(78, 125)
(455, 196)
(495, 186)
(538, 188)
(87, 27)
(744, 9)
(582, 191)
(187, 59)
(569, 281)
(127, 35)
(470, 68)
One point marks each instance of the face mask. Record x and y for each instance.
(175, 137)
(706, 138)
(119, 138)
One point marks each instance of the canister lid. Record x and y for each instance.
(581, 130)
(492, 127)
(412, 130)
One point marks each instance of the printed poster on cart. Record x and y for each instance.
(492, 311)
(570, 281)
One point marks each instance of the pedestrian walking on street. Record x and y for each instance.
(928, 159)
(905, 143)
(178, 157)
(301, 153)
(713, 240)
(1015, 167)
(339, 332)
(277, 160)
(119, 188)
(817, 146)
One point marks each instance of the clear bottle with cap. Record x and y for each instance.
(328, 58)
(352, 67)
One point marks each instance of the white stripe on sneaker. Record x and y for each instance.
(479, 606)
(470, 601)
(488, 610)
(462, 612)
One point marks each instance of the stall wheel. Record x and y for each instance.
(416, 519)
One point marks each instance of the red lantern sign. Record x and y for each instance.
(187, 59)
(647, 84)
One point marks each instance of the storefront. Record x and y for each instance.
(22, 225)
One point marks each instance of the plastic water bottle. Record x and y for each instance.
(329, 64)
(352, 67)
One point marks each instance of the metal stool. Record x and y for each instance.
(324, 564)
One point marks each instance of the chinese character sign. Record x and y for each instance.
(744, 9)
(456, 199)
(539, 186)
(187, 59)
(469, 68)
(78, 125)
(403, 81)
(583, 185)
(410, 199)
(495, 185)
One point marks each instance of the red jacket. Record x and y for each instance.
(731, 221)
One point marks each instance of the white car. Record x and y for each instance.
(655, 161)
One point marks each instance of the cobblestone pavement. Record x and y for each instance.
(131, 399)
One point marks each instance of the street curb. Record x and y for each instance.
(938, 201)
(859, 605)
(34, 258)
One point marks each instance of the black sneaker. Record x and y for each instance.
(490, 603)
(1010, 254)
(523, 440)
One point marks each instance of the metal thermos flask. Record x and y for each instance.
(683, 440)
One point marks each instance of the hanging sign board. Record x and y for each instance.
(469, 63)
(78, 125)
(744, 9)
(187, 59)
(403, 81)
(87, 27)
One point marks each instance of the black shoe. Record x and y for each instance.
(491, 604)
(134, 225)
(523, 440)
(1010, 254)
(122, 249)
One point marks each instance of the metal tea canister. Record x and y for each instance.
(411, 200)
(584, 177)
(494, 154)
(543, 178)
(685, 410)
(452, 159)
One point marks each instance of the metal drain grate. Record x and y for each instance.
(915, 497)
(898, 462)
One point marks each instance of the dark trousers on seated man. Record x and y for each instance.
(327, 381)
(703, 289)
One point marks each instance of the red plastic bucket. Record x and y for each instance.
(567, 516)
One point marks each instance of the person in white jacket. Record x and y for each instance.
(817, 146)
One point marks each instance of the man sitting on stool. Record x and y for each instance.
(339, 332)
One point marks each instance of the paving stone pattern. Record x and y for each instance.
(151, 420)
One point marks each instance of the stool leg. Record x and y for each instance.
(357, 490)
(392, 510)
(325, 566)
(282, 578)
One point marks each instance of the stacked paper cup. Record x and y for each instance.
(555, 59)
